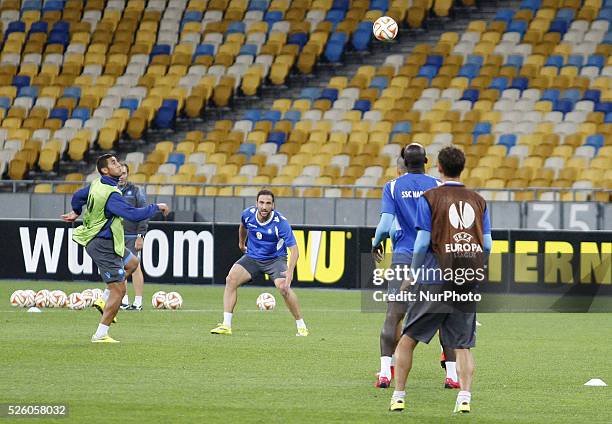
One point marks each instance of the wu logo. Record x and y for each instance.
(461, 217)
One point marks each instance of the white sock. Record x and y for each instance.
(227, 319)
(393, 360)
(102, 330)
(398, 395)
(125, 300)
(385, 367)
(451, 370)
(464, 396)
(106, 294)
(137, 300)
(300, 323)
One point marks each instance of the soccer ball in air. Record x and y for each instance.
(266, 302)
(158, 299)
(88, 296)
(173, 301)
(18, 299)
(76, 301)
(385, 28)
(42, 298)
(57, 299)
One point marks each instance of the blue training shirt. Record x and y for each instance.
(400, 197)
(267, 240)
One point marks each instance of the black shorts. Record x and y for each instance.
(275, 268)
(457, 328)
(111, 265)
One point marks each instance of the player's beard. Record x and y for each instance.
(266, 216)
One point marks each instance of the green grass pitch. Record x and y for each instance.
(168, 367)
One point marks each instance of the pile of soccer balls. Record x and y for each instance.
(163, 300)
(54, 299)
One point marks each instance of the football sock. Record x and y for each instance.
(102, 330)
(300, 323)
(451, 370)
(106, 294)
(385, 367)
(398, 395)
(393, 360)
(137, 300)
(464, 396)
(227, 319)
(125, 300)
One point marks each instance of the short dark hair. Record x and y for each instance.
(127, 167)
(452, 161)
(102, 162)
(414, 156)
(265, 192)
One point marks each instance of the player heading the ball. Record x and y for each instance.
(264, 237)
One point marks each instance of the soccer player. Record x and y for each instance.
(134, 237)
(450, 218)
(397, 219)
(102, 234)
(264, 237)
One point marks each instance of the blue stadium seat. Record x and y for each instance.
(335, 16)
(402, 127)
(299, 38)
(192, 16)
(340, 37)
(505, 15)
(596, 60)
(28, 91)
(340, 5)
(517, 26)
(469, 70)
(362, 105)
(261, 5)
(608, 118)
(563, 106)
(31, 5)
(293, 115)
(482, 128)
(499, 83)
(59, 113)
(471, 95)
(379, 5)
(61, 26)
(273, 16)
(5, 103)
(53, 5)
(81, 113)
(379, 82)
(248, 149)
(57, 37)
(165, 117)
(177, 159)
(595, 140)
(129, 103)
(520, 83)
(361, 39)
(575, 60)
(571, 94)
(248, 49)
(253, 115)
(21, 81)
(277, 137)
(592, 95)
(170, 103)
(330, 94)
(237, 27)
(533, 5)
(333, 51)
(271, 115)
(73, 92)
(515, 60)
(15, 26)
(565, 14)
(475, 59)
(605, 107)
(310, 93)
(434, 60)
(160, 49)
(554, 60)
(558, 26)
(507, 140)
(427, 71)
(204, 50)
(551, 94)
(39, 26)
